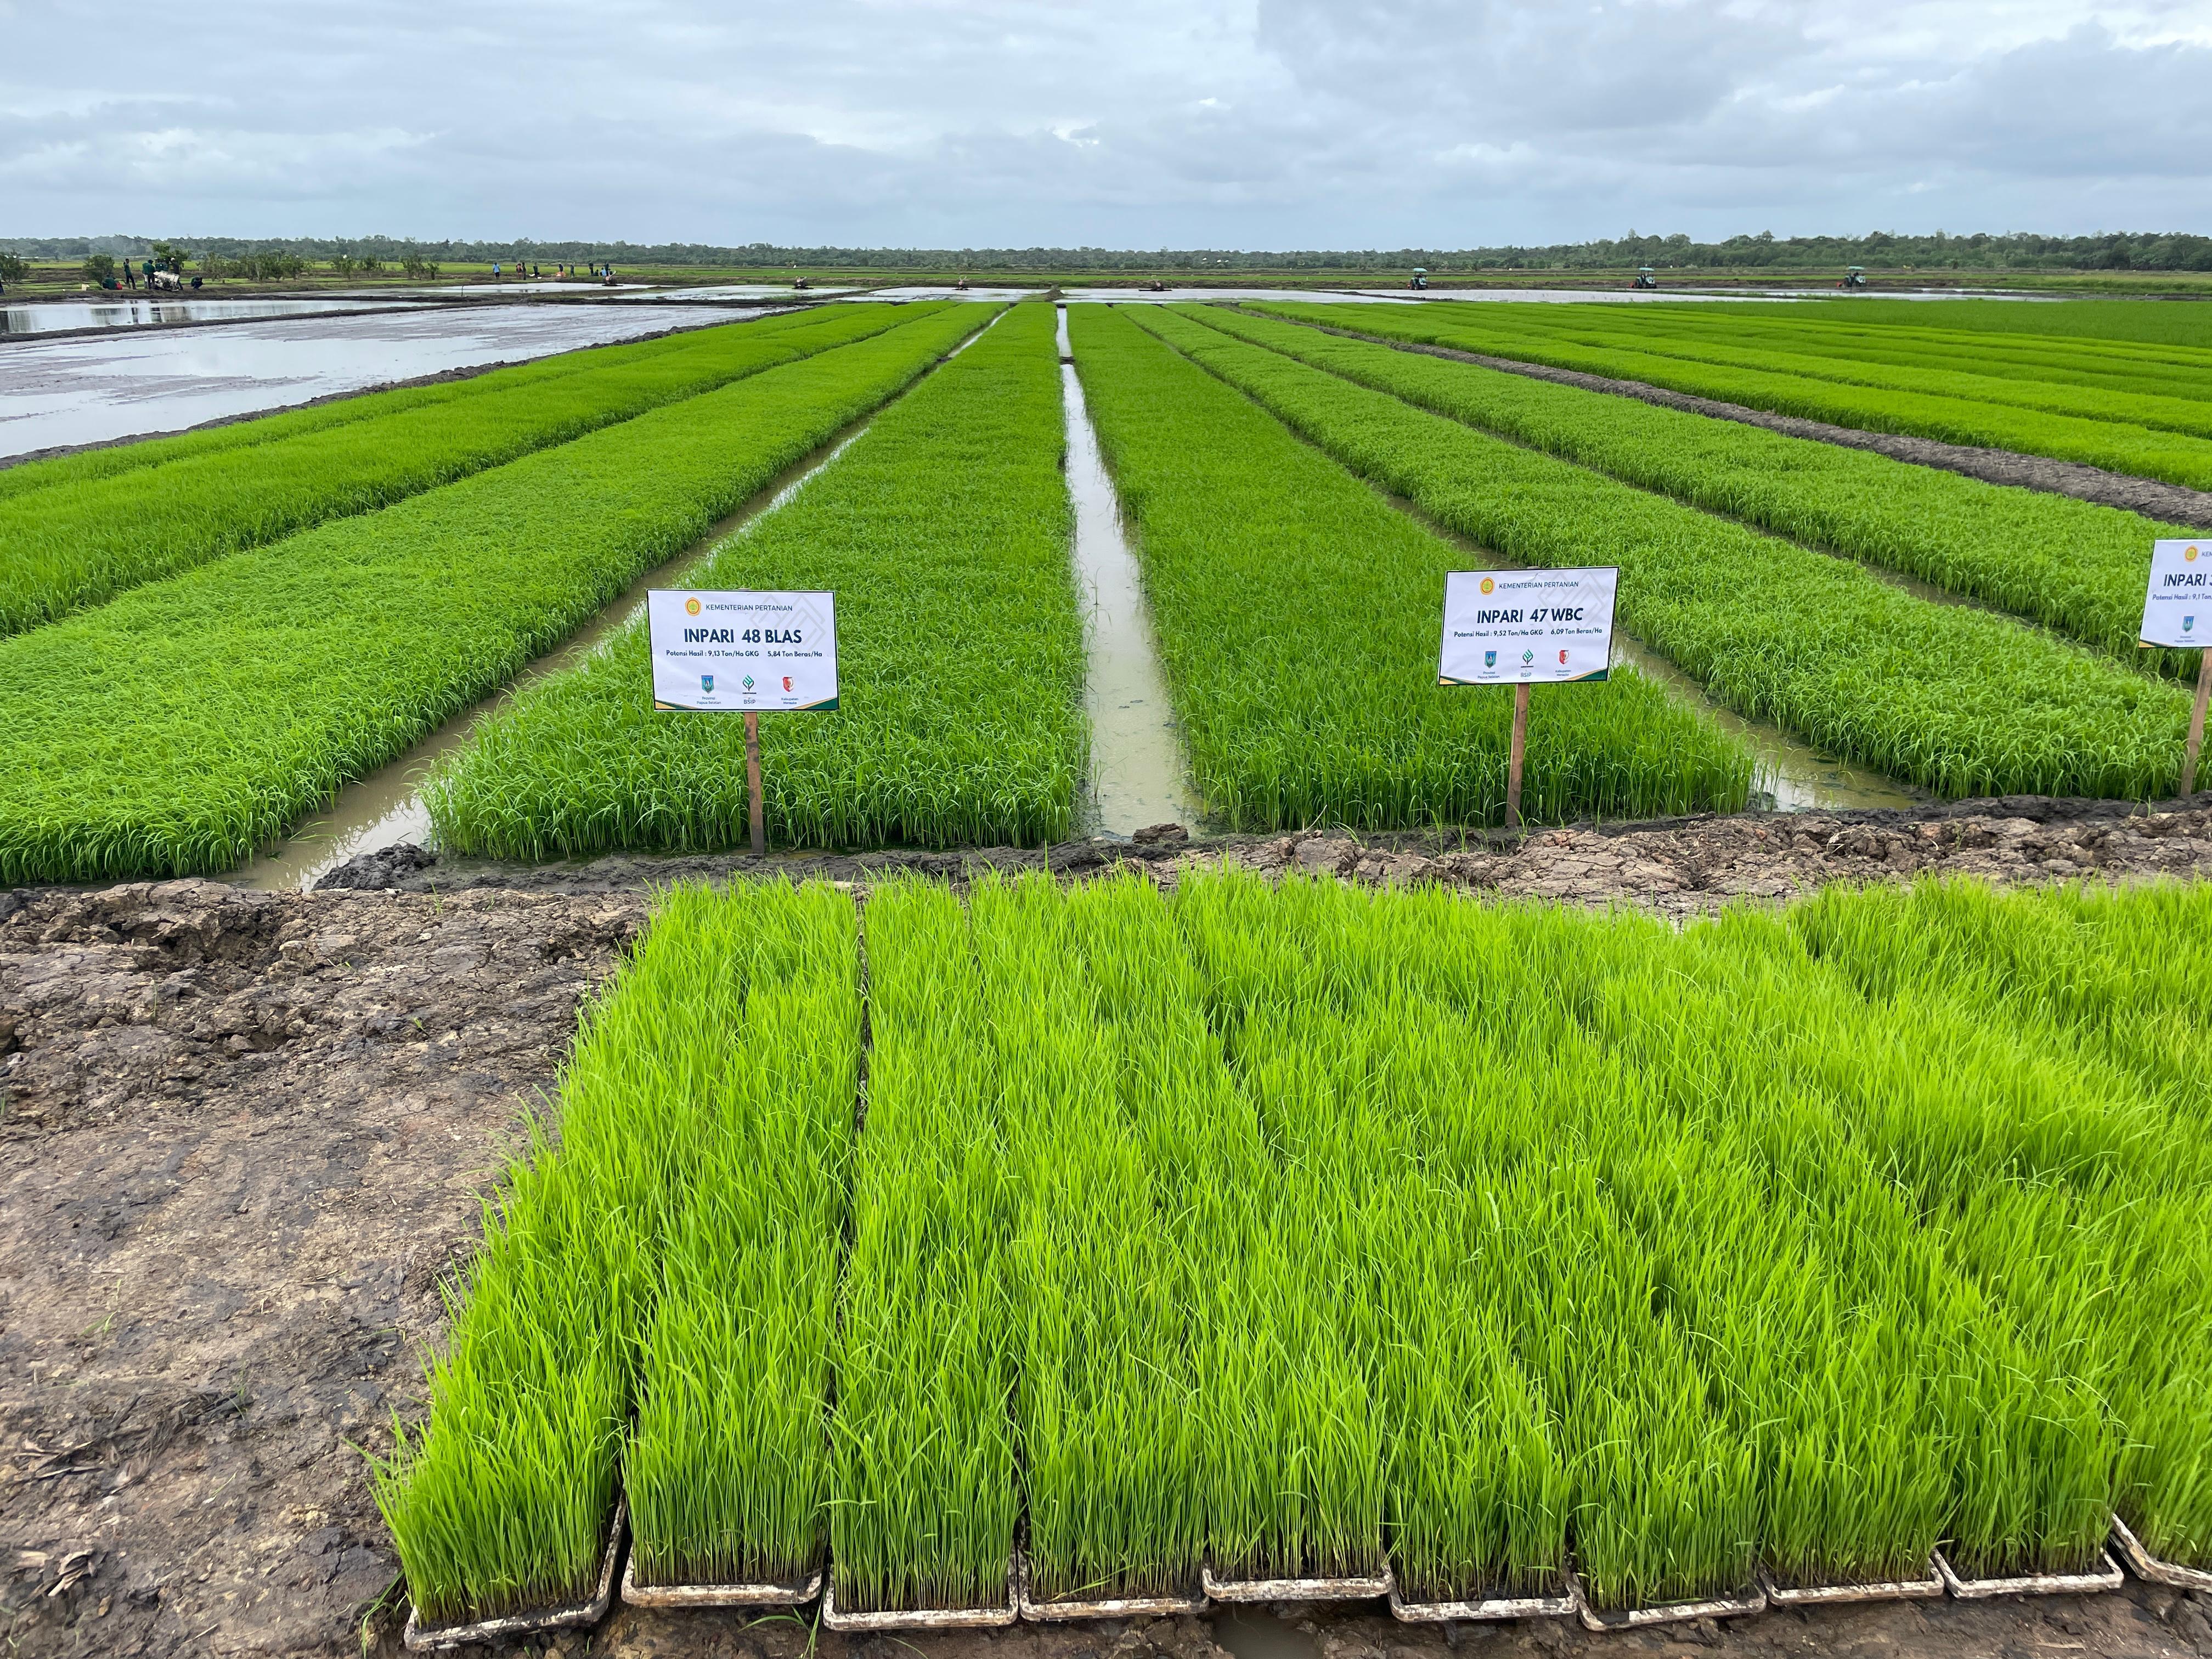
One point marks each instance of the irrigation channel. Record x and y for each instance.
(1139, 776)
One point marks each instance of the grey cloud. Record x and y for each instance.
(1276, 123)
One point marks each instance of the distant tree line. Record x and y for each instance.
(2118, 251)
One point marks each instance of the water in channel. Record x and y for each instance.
(1138, 775)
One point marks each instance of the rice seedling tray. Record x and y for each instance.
(1751, 1598)
(1779, 1595)
(438, 1638)
(1564, 1605)
(1058, 1610)
(2034, 1583)
(991, 1617)
(718, 1595)
(2147, 1566)
(1360, 1589)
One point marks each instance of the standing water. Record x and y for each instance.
(1138, 777)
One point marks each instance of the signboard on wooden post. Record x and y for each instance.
(743, 653)
(2177, 613)
(1518, 627)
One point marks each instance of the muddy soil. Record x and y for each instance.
(245, 1134)
(242, 1135)
(1672, 867)
(2169, 503)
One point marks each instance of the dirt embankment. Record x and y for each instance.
(2170, 504)
(245, 1134)
(1675, 867)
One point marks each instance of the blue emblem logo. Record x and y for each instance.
(2188, 622)
(705, 682)
(1490, 660)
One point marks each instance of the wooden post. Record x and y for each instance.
(2196, 720)
(752, 779)
(1521, 741)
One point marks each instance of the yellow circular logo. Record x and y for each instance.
(1488, 583)
(691, 606)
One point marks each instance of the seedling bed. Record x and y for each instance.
(1564, 1605)
(718, 1595)
(1779, 1595)
(2149, 1566)
(1750, 1599)
(923, 1618)
(439, 1638)
(1060, 1610)
(1296, 1589)
(2034, 1583)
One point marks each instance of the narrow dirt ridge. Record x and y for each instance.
(2169, 503)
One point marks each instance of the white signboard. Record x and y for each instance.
(734, 652)
(2178, 609)
(1504, 627)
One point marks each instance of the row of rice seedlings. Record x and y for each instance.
(74, 541)
(1296, 621)
(729, 1471)
(1958, 701)
(2109, 1193)
(2073, 566)
(503, 1502)
(1751, 341)
(1822, 332)
(944, 530)
(2115, 444)
(926, 1498)
(1084, 1000)
(179, 726)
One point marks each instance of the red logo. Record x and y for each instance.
(1563, 659)
(786, 678)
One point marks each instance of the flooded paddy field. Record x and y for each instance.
(64, 394)
(71, 316)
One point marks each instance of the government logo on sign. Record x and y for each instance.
(1490, 660)
(705, 682)
(1489, 586)
(690, 607)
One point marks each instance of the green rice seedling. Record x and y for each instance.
(1297, 623)
(1098, 1290)
(181, 726)
(1959, 702)
(719, 1052)
(926, 1499)
(2073, 566)
(2120, 446)
(83, 536)
(944, 530)
(728, 1470)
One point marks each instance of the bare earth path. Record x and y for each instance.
(2169, 503)
(242, 1134)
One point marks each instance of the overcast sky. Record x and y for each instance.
(1276, 124)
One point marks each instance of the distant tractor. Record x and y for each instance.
(1155, 286)
(802, 283)
(1644, 277)
(1855, 278)
(1420, 278)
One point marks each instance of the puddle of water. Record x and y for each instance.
(51, 316)
(1251, 1633)
(55, 393)
(386, 808)
(1138, 773)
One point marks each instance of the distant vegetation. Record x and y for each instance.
(2117, 251)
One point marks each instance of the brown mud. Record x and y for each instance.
(245, 1132)
(2169, 503)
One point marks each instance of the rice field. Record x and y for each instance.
(1303, 1229)
(2113, 429)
